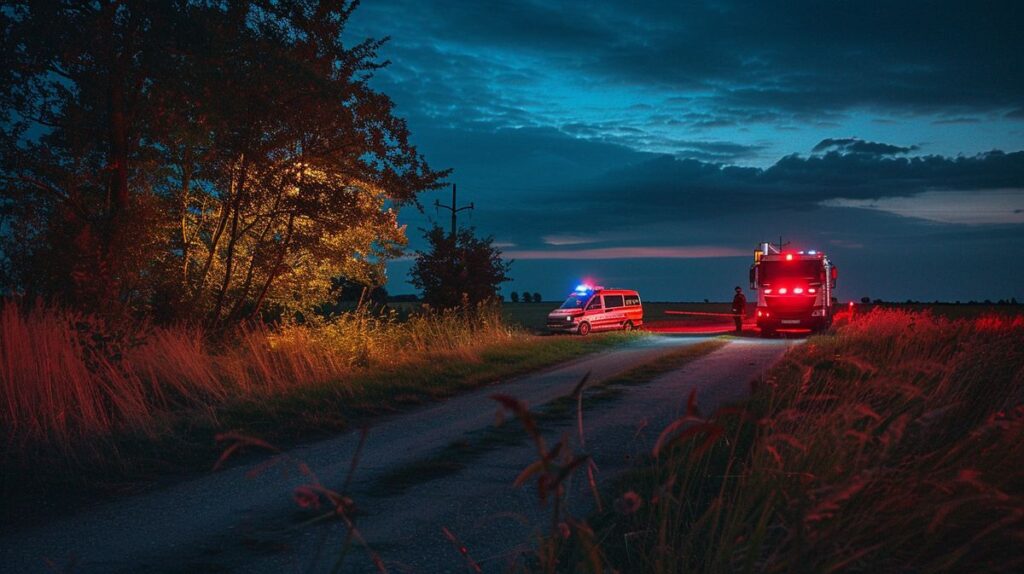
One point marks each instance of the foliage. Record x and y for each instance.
(514, 296)
(458, 271)
(197, 160)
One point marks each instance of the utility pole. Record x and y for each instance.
(454, 209)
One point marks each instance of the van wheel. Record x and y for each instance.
(628, 326)
(584, 329)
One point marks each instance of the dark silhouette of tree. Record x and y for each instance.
(75, 145)
(526, 297)
(204, 160)
(865, 300)
(349, 291)
(459, 271)
(514, 296)
(536, 297)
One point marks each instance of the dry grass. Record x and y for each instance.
(892, 445)
(68, 379)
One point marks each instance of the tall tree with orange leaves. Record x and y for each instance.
(197, 161)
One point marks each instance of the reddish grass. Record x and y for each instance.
(893, 444)
(69, 380)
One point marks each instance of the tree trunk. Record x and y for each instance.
(225, 215)
(229, 262)
(236, 309)
(277, 265)
(186, 242)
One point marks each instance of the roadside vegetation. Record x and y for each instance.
(891, 444)
(87, 401)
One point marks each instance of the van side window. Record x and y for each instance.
(595, 303)
(632, 300)
(612, 301)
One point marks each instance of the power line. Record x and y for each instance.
(454, 209)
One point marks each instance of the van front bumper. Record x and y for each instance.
(563, 326)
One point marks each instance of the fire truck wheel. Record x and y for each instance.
(628, 326)
(584, 329)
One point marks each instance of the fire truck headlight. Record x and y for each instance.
(568, 318)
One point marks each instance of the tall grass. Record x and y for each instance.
(67, 379)
(893, 445)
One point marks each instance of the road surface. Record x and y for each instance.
(232, 522)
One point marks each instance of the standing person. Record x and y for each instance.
(739, 307)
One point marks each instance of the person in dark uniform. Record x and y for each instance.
(739, 307)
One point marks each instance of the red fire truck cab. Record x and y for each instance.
(597, 309)
(795, 289)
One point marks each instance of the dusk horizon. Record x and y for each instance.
(654, 147)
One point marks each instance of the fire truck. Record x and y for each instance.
(794, 289)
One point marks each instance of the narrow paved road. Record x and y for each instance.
(231, 522)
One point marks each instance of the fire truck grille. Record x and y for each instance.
(791, 307)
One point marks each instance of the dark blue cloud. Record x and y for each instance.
(605, 125)
(854, 145)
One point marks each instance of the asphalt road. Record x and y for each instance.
(234, 521)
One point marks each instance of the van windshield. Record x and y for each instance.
(576, 301)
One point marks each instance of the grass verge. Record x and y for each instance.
(52, 471)
(891, 444)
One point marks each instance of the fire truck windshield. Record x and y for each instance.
(770, 271)
(576, 301)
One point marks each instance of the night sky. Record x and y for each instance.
(652, 147)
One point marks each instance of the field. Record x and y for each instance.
(532, 316)
(891, 444)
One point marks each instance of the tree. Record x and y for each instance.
(536, 297)
(198, 159)
(865, 300)
(526, 297)
(458, 271)
(74, 147)
(348, 291)
(515, 297)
